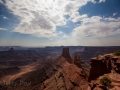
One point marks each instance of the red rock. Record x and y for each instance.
(66, 54)
(77, 61)
(98, 68)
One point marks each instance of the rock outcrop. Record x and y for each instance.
(66, 77)
(66, 54)
(104, 64)
(77, 61)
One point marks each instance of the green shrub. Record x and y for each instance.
(117, 53)
(105, 81)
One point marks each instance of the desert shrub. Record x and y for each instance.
(105, 81)
(117, 53)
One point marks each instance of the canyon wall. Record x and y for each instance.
(104, 64)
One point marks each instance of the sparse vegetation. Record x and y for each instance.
(105, 81)
(117, 53)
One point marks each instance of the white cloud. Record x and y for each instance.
(60, 32)
(79, 18)
(4, 17)
(114, 14)
(97, 26)
(101, 1)
(40, 17)
(65, 36)
(98, 1)
(92, 19)
(3, 29)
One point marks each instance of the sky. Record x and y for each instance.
(59, 22)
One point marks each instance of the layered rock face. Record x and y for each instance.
(103, 65)
(66, 54)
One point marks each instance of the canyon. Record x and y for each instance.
(31, 70)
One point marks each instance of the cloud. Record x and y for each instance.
(114, 14)
(97, 26)
(60, 32)
(40, 17)
(3, 29)
(98, 1)
(65, 36)
(4, 17)
(1, 1)
(101, 1)
(79, 17)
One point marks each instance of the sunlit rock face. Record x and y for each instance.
(66, 54)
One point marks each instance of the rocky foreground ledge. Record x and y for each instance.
(107, 65)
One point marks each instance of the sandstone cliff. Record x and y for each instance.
(104, 64)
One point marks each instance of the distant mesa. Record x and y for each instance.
(11, 49)
(66, 54)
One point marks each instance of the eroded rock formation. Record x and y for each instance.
(77, 61)
(66, 54)
(104, 64)
(66, 77)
